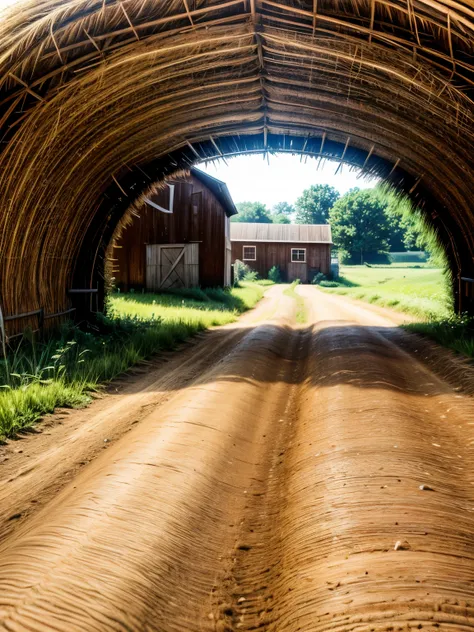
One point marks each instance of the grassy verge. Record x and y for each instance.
(38, 377)
(194, 306)
(456, 333)
(415, 289)
(301, 313)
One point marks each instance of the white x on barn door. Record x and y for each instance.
(172, 266)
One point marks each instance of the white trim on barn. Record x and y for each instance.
(244, 258)
(298, 260)
(160, 208)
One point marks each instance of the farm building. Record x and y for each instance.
(178, 237)
(299, 250)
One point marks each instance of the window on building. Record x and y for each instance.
(249, 253)
(298, 254)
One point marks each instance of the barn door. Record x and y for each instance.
(171, 266)
(297, 270)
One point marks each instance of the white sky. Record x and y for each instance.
(6, 3)
(251, 178)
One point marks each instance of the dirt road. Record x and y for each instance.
(268, 477)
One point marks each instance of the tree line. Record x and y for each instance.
(364, 222)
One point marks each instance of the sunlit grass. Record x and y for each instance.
(419, 290)
(38, 377)
(456, 333)
(301, 312)
(208, 308)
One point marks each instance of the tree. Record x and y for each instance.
(313, 206)
(359, 224)
(253, 212)
(283, 208)
(406, 230)
(282, 212)
(410, 227)
(280, 219)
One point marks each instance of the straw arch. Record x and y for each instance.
(97, 97)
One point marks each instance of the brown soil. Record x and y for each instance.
(266, 477)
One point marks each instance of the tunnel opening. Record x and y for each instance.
(337, 153)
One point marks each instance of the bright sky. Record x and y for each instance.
(6, 3)
(251, 178)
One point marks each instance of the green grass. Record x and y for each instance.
(415, 289)
(301, 313)
(38, 377)
(205, 308)
(264, 282)
(456, 333)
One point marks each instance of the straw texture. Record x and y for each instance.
(93, 90)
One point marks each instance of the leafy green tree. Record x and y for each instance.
(283, 208)
(314, 204)
(253, 212)
(406, 230)
(409, 225)
(280, 219)
(282, 212)
(359, 224)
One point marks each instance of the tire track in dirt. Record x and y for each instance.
(314, 479)
(378, 521)
(36, 468)
(157, 516)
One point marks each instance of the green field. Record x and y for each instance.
(195, 307)
(419, 290)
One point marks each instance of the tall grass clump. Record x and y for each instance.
(455, 332)
(36, 377)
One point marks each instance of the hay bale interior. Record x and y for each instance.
(99, 99)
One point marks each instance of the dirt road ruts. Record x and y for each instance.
(313, 478)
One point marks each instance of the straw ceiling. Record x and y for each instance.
(91, 90)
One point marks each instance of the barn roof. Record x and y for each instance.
(303, 233)
(219, 189)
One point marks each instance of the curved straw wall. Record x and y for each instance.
(95, 92)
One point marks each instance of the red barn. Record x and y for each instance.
(180, 237)
(299, 250)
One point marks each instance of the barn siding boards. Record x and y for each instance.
(273, 244)
(269, 254)
(198, 217)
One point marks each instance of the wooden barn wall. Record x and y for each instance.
(198, 217)
(269, 254)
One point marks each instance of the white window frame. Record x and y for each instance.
(254, 253)
(298, 260)
(160, 208)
